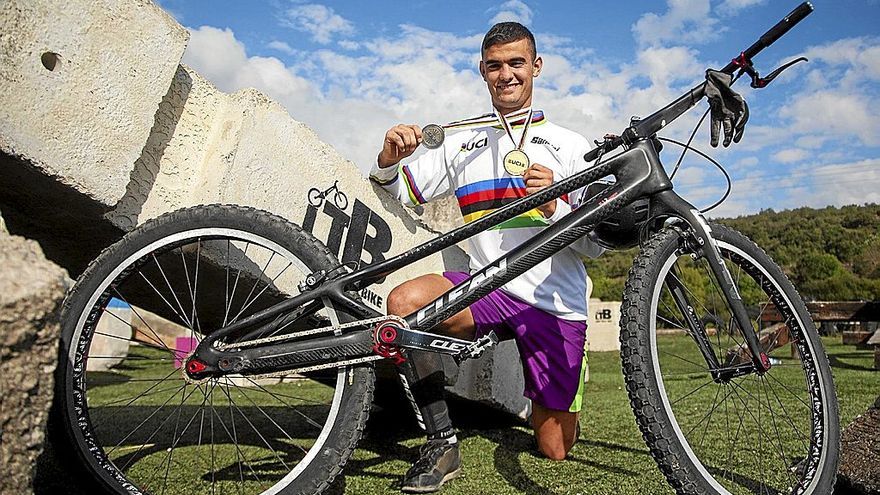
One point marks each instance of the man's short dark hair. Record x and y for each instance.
(508, 32)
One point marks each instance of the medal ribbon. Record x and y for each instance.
(507, 128)
(485, 120)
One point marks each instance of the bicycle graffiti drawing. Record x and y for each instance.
(317, 196)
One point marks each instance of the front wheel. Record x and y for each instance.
(122, 401)
(771, 433)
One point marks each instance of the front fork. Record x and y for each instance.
(705, 244)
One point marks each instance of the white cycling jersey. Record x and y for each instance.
(469, 165)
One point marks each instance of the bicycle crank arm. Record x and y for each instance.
(213, 362)
(392, 336)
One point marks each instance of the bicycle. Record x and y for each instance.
(316, 197)
(277, 390)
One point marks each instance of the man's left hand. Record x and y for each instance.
(538, 177)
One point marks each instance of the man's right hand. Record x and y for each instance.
(401, 141)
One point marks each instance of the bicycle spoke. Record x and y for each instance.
(257, 279)
(239, 455)
(803, 438)
(701, 367)
(174, 441)
(142, 394)
(708, 417)
(257, 431)
(235, 286)
(295, 410)
(776, 430)
(263, 412)
(268, 284)
(796, 396)
(147, 441)
(182, 313)
(136, 313)
(692, 392)
(278, 395)
(155, 340)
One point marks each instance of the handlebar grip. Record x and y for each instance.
(774, 33)
(782, 27)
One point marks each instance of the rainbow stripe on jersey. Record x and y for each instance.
(482, 198)
(415, 195)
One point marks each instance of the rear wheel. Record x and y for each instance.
(768, 433)
(137, 312)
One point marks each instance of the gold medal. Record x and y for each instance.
(516, 162)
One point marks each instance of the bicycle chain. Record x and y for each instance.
(314, 331)
(306, 333)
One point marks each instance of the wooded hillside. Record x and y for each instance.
(830, 254)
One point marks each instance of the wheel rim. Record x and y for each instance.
(754, 434)
(136, 417)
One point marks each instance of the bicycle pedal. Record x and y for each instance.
(477, 348)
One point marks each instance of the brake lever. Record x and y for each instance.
(762, 82)
(745, 65)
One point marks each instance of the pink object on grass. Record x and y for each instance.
(183, 346)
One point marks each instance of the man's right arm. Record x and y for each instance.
(417, 182)
(400, 142)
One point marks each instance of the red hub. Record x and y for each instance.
(765, 362)
(384, 338)
(194, 366)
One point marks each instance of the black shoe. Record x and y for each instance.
(439, 461)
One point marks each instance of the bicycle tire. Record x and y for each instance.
(290, 436)
(789, 441)
(340, 199)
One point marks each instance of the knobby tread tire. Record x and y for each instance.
(636, 361)
(356, 401)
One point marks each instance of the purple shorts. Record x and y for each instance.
(551, 349)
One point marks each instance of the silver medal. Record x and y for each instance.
(433, 136)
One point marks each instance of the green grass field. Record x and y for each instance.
(611, 457)
(498, 450)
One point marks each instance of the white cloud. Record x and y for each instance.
(835, 112)
(685, 21)
(201, 53)
(732, 7)
(281, 46)
(416, 75)
(790, 155)
(668, 65)
(320, 21)
(845, 183)
(513, 10)
(747, 162)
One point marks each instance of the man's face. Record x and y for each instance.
(508, 70)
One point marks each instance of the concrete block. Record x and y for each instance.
(80, 82)
(495, 378)
(31, 291)
(603, 333)
(243, 148)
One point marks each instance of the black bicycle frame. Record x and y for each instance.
(638, 174)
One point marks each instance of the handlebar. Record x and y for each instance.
(661, 118)
(774, 33)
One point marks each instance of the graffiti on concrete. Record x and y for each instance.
(362, 236)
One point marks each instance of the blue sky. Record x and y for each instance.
(350, 70)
